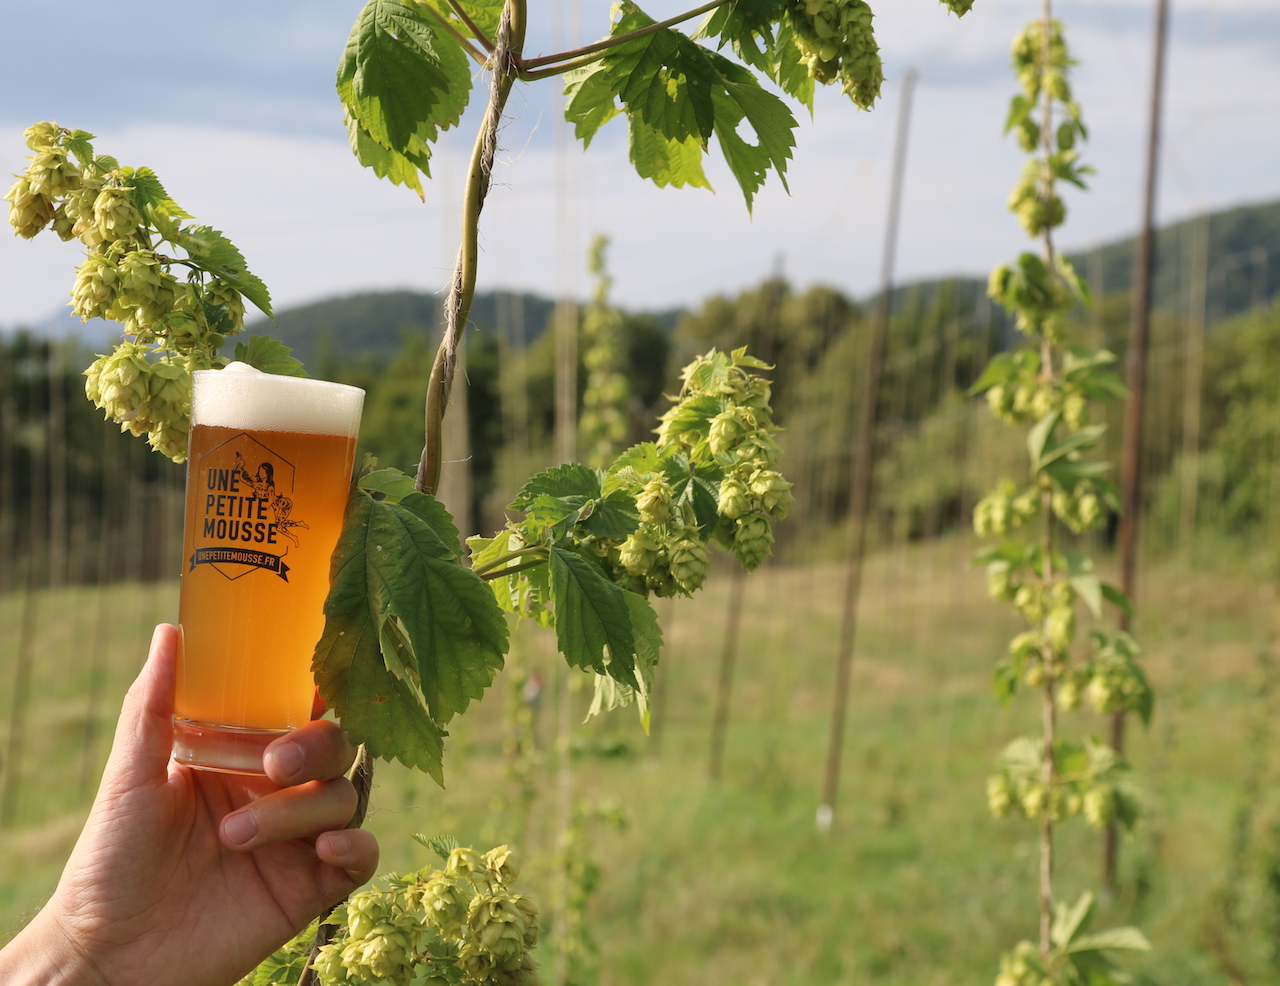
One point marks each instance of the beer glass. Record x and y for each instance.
(268, 472)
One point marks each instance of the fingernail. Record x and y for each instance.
(288, 758)
(339, 844)
(239, 827)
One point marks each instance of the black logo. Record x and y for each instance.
(243, 509)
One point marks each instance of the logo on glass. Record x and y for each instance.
(243, 520)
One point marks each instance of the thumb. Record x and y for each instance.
(144, 732)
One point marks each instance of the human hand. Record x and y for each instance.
(190, 876)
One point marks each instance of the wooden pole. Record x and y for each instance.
(863, 462)
(1131, 449)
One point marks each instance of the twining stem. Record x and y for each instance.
(503, 65)
(588, 53)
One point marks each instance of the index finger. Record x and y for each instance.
(317, 751)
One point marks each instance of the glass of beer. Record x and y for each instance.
(268, 473)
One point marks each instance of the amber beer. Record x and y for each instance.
(268, 470)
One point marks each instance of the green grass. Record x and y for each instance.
(731, 883)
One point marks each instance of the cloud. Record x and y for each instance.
(237, 114)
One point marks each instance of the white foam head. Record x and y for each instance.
(242, 396)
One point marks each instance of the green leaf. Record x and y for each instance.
(593, 620)
(1127, 939)
(526, 593)
(150, 197)
(549, 519)
(1001, 368)
(402, 81)
(386, 484)
(612, 694)
(761, 36)
(667, 163)
(211, 251)
(80, 143)
(1039, 436)
(676, 94)
(397, 168)
(633, 467)
(270, 356)
(572, 479)
(375, 707)
(1085, 582)
(590, 100)
(1117, 598)
(614, 517)
(1069, 921)
(740, 97)
(1004, 681)
(453, 631)
(662, 77)
(435, 515)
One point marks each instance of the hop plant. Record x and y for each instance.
(836, 41)
(435, 927)
(124, 218)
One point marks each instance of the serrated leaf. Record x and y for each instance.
(593, 620)
(662, 77)
(394, 166)
(387, 483)
(666, 163)
(451, 623)
(640, 460)
(590, 100)
(400, 78)
(740, 97)
(270, 356)
(150, 197)
(614, 517)
(549, 519)
(437, 517)
(80, 143)
(572, 479)
(211, 251)
(385, 713)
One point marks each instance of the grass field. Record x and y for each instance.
(731, 883)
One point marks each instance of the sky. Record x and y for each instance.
(233, 106)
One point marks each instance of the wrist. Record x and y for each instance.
(42, 954)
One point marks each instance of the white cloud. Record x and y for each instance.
(312, 223)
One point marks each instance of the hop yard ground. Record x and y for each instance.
(731, 883)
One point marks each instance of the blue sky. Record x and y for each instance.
(233, 106)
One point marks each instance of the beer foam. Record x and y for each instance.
(242, 396)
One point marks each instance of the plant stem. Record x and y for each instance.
(510, 556)
(578, 55)
(489, 574)
(480, 36)
(458, 305)
(480, 56)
